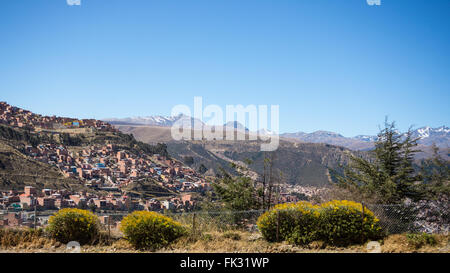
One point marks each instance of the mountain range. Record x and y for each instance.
(439, 136)
(301, 158)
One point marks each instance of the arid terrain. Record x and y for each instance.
(233, 242)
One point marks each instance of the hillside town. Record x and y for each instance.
(19, 207)
(109, 170)
(106, 167)
(18, 117)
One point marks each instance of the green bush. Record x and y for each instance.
(417, 240)
(74, 225)
(336, 222)
(150, 230)
(344, 222)
(297, 223)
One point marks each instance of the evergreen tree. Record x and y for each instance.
(389, 177)
(237, 193)
(436, 175)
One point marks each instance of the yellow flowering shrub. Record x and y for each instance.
(297, 223)
(74, 225)
(335, 222)
(344, 222)
(150, 230)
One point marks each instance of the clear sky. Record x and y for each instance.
(337, 65)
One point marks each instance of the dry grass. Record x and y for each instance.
(213, 242)
(398, 243)
(19, 239)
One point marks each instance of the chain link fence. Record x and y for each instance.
(205, 221)
(426, 216)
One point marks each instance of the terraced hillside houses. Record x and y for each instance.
(18, 117)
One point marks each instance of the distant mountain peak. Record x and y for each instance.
(163, 121)
(236, 125)
(326, 133)
(366, 138)
(427, 136)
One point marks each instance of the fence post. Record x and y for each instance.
(278, 225)
(35, 214)
(109, 228)
(362, 222)
(362, 212)
(193, 224)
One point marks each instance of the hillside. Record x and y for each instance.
(301, 163)
(428, 136)
(329, 138)
(17, 171)
(304, 164)
(148, 188)
(67, 153)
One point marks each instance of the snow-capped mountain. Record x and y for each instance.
(163, 121)
(266, 132)
(235, 125)
(180, 120)
(440, 136)
(366, 138)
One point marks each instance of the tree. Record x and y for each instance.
(202, 169)
(268, 180)
(189, 160)
(237, 193)
(389, 177)
(436, 175)
(92, 207)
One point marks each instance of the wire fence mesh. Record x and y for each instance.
(426, 216)
(204, 221)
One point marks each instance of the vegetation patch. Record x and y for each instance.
(15, 237)
(74, 225)
(296, 223)
(232, 235)
(417, 240)
(336, 223)
(346, 222)
(150, 230)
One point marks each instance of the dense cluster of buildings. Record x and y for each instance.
(107, 167)
(18, 117)
(19, 207)
(307, 191)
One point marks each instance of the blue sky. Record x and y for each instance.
(337, 65)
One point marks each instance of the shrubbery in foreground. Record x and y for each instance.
(297, 223)
(335, 222)
(150, 230)
(344, 222)
(74, 225)
(417, 240)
